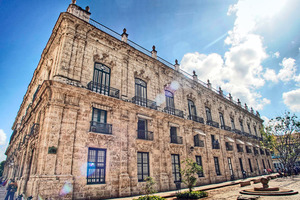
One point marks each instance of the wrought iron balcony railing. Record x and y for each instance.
(195, 118)
(239, 148)
(236, 131)
(226, 128)
(144, 135)
(104, 89)
(173, 111)
(229, 147)
(212, 123)
(248, 150)
(267, 153)
(198, 142)
(255, 151)
(262, 152)
(215, 145)
(141, 101)
(176, 139)
(98, 127)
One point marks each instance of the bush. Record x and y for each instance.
(191, 195)
(150, 198)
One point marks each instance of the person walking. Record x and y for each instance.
(11, 190)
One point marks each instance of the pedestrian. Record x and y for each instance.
(11, 190)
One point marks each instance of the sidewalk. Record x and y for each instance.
(2, 192)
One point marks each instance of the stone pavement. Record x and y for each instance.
(2, 192)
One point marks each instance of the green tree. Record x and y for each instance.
(2, 168)
(282, 135)
(149, 185)
(189, 173)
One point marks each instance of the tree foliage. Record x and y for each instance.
(282, 135)
(2, 168)
(191, 168)
(149, 185)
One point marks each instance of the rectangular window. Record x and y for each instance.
(222, 121)
(254, 127)
(98, 123)
(176, 167)
(263, 162)
(230, 167)
(192, 108)
(269, 164)
(251, 170)
(142, 165)
(249, 128)
(232, 124)
(199, 162)
(174, 138)
(241, 164)
(242, 126)
(217, 167)
(208, 114)
(142, 129)
(96, 166)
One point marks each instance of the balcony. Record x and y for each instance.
(173, 111)
(255, 151)
(195, 118)
(104, 89)
(215, 145)
(262, 152)
(267, 153)
(229, 147)
(248, 150)
(144, 135)
(98, 127)
(198, 142)
(141, 101)
(212, 123)
(226, 128)
(34, 129)
(239, 148)
(176, 139)
(236, 131)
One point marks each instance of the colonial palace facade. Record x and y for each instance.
(101, 114)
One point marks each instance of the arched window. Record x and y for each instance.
(192, 108)
(169, 99)
(140, 92)
(101, 80)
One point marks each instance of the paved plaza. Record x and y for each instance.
(230, 190)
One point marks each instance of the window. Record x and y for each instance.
(174, 138)
(263, 162)
(192, 108)
(169, 99)
(140, 92)
(241, 164)
(142, 165)
(249, 128)
(96, 166)
(269, 164)
(232, 123)
(251, 170)
(215, 143)
(242, 126)
(208, 114)
(254, 127)
(101, 80)
(176, 167)
(142, 130)
(217, 167)
(222, 121)
(98, 123)
(199, 162)
(230, 167)
(257, 165)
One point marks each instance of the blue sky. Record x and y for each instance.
(249, 48)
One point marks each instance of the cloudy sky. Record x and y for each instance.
(249, 48)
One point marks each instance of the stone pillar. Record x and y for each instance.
(154, 52)
(176, 65)
(124, 35)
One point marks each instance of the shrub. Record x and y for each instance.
(150, 198)
(191, 195)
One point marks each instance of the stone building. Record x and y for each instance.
(102, 113)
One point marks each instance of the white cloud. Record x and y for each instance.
(291, 99)
(270, 75)
(2, 137)
(276, 54)
(288, 70)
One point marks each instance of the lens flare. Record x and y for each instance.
(40, 198)
(67, 188)
(160, 99)
(174, 86)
